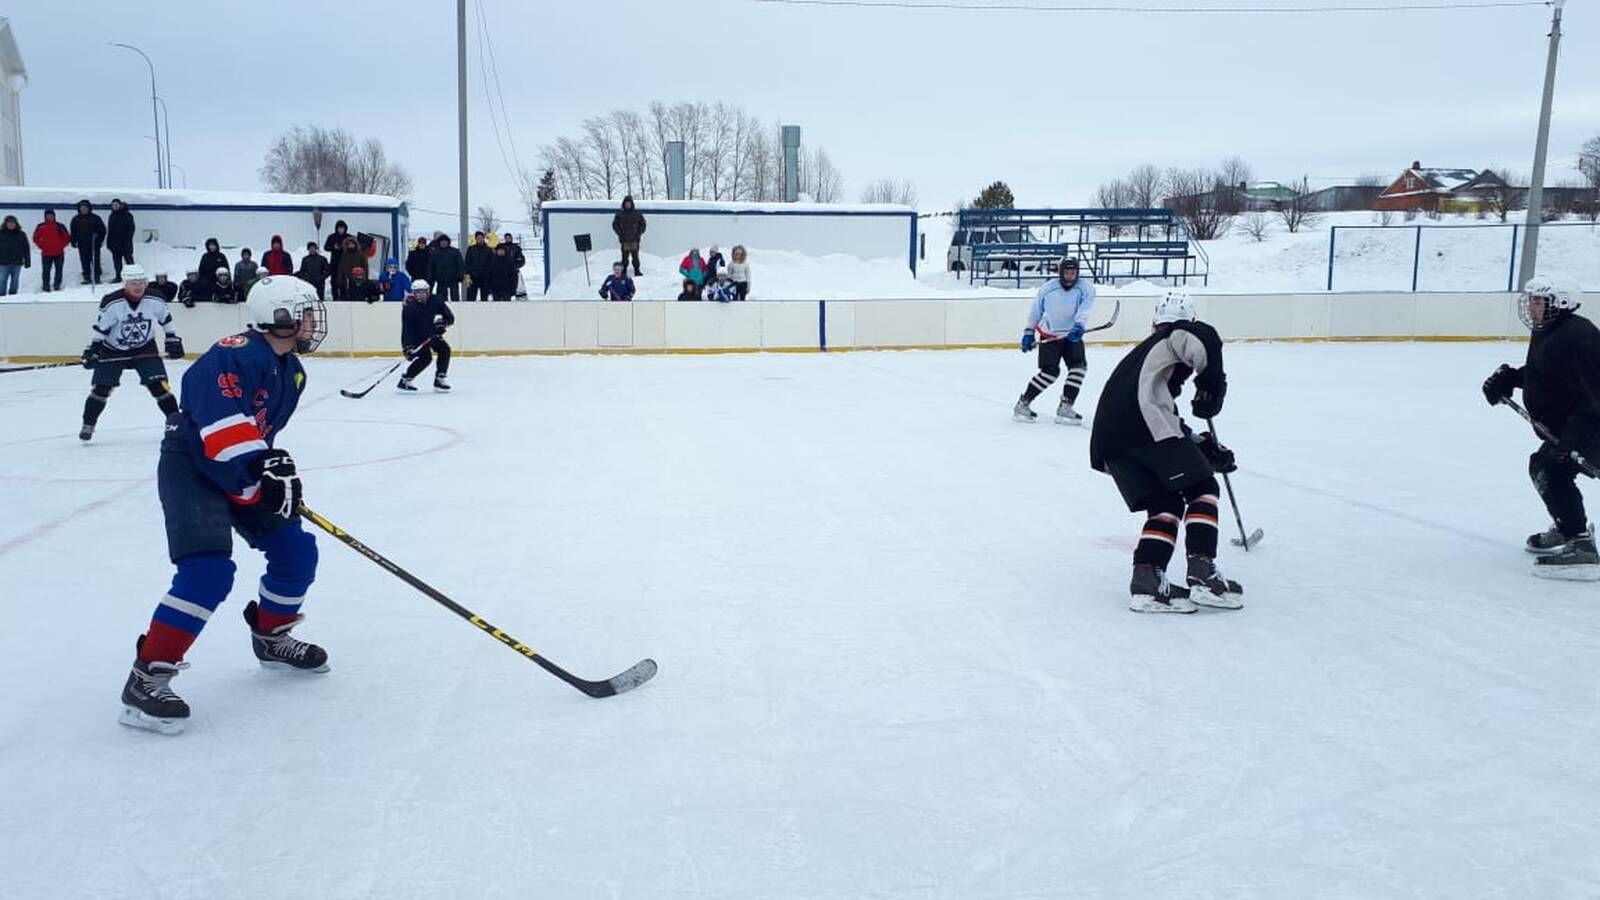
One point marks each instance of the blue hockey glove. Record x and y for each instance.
(1028, 340)
(1076, 334)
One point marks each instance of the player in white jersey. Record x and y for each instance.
(124, 338)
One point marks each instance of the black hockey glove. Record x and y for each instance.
(1220, 457)
(438, 329)
(1498, 386)
(91, 354)
(174, 347)
(1206, 405)
(279, 483)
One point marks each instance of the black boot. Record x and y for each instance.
(148, 701)
(1207, 587)
(277, 649)
(1152, 593)
(1575, 560)
(1546, 542)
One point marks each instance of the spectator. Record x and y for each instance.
(394, 283)
(277, 261)
(739, 272)
(314, 269)
(119, 237)
(193, 290)
(445, 269)
(14, 256)
(350, 259)
(722, 289)
(212, 260)
(244, 271)
(477, 260)
(164, 286)
(52, 239)
(88, 234)
(714, 263)
(223, 289)
(629, 224)
(335, 248)
(417, 259)
(514, 250)
(693, 268)
(618, 285)
(691, 291)
(358, 287)
(502, 276)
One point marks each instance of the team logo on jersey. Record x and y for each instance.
(233, 341)
(134, 330)
(299, 380)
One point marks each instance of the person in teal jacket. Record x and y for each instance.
(693, 268)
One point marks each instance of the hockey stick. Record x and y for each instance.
(63, 365)
(1115, 311)
(1550, 436)
(357, 395)
(1243, 540)
(639, 673)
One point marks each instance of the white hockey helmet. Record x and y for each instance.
(285, 306)
(1174, 306)
(421, 286)
(133, 272)
(1543, 298)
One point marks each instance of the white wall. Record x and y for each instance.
(61, 329)
(672, 227)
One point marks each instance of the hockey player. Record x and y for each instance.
(124, 338)
(220, 472)
(1561, 387)
(1160, 466)
(423, 321)
(1056, 323)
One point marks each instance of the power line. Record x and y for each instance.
(1164, 10)
(488, 99)
(505, 115)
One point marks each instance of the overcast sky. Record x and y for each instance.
(1051, 102)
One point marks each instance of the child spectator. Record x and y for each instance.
(277, 261)
(691, 291)
(223, 289)
(350, 259)
(314, 269)
(714, 263)
(15, 255)
(739, 273)
(52, 238)
(189, 292)
(357, 287)
(394, 283)
(693, 268)
(502, 274)
(165, 287)
(244, 271)
(618, 285)
(722, 290)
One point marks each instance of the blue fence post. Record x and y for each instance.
(1511, 271)
(1416, 259)
(822, 325)
(1332, 232)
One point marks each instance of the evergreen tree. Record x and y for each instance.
(995, 196)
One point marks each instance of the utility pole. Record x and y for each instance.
(461, 111)
(1530, 244)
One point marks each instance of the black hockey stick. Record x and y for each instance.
(1115, 311)
(1550, 436)
(1243, 540)
(63, 365)
(357, 395)
(637, 674)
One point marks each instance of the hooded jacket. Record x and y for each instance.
(277, 261)
(14, 249)
(87, 229)
(119, 229)
(417, 261)
(628, 223)
(52, 238)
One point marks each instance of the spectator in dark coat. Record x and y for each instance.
(477, 262)
(119, 237)
(193, 290)
(691, 291)
(314, 270)
(502, 275)
(417, 259)
(212, 260)
(277, 261)
(358, 286)
(714, 262)
(244, 271)
(88, 234)
(618, 286)
(629, 226)
(350, 259)
(514, 250)
(334, 246)
(52, 238)
(166, 287)
(445, 269)
(15, 255)
(223, 290)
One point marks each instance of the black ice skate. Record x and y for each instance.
(279, 650)
(1575, 560)
(1022, 413)
(1066, 415)
(405, 384)
(1207, 587)
(439, 384)
(86, 432)
(1152, 593)
(148, 701)
(1546, 542)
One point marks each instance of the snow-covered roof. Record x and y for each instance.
(1446, 179)
(68, 196)
(728, 206)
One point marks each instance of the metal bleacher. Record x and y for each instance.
(1111, 245)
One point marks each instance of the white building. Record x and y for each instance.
(13, 78)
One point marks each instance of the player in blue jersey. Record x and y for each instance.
(221, 472)
(1056, 322)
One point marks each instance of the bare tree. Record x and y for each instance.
(601, 145)
(1194, 195)
(890, 190)
(1383, 217)
(1143, 186)
(1295, 210)
(1237, 175)
(487, 221)
(1589, 166)
(1113, 194)
(1256, 225)
(1372, 179)
(818, 178)
(1503, 198)
(312, 159)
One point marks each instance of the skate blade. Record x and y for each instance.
(1254, 539)
(1026, 420)
(1540, 551)
(1586, 572)
(135, 718)
(277, 666)
(1142, 604)
(1202, 597)
(1063, 420)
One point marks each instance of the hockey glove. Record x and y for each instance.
(1220, 457)
(1206, 404)
(1028, 340)
(174, 347)
(1076, 334)
(279, 482)
(410, 352)
(92, 353)
(1498, 386)
(438, 329)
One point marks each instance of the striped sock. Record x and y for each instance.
(1157, 541)
(1200, 526)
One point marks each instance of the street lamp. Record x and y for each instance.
(160, 182)
(179, 168)
(166, 128)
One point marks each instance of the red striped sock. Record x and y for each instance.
(164, 643)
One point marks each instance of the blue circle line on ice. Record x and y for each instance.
(452, 437)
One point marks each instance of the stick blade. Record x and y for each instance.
(636, 675)
(353, 395)
(1254, 539)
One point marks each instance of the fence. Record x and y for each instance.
(1464, 257)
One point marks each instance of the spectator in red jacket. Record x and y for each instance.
(52, 238)
(277, 261)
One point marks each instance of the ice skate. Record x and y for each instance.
(1207, 586)
(405, 384)
(86, 432)
(1574, 560)
(148, 701)
(277, 649)
(440, 384)
(1152, 593)
(1066, 415)
(1546, 542)
(1021, 412)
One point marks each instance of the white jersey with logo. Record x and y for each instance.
(126, 324)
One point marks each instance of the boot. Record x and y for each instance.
(439, 383)
(1021, 412)
(1546, 542)
(1066, 415)
(1207, 586)
(86, 432)
(405, 383)
(277, 649)
(1575, 560)
(148, 701)
(1152, 593)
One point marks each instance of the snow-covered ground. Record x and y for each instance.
(895, 656)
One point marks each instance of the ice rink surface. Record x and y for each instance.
(896, 659)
